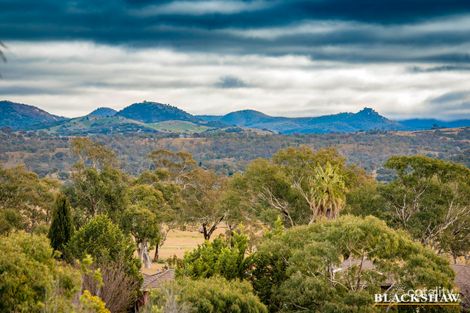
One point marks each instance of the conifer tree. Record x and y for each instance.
(61, 228)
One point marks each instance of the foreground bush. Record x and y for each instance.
(211, 295)
(223, 257)
(113, 253)
(31, 280)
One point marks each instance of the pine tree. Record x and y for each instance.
(61, 228)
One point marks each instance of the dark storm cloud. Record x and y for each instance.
(231, 82)
(226, 26)
(441, 68)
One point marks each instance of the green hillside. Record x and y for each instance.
(178, 127)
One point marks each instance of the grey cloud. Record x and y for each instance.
(231, 82)
(224, 26)
(441, 68)
(452, 105)
(453, 99)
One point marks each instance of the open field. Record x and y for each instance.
(178, 243)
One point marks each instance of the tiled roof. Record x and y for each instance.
(155, 280)
(462, 280)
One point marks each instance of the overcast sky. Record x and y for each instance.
(404, 58)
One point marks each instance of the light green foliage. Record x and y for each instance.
(31, 280)
(10, 219)
(157, 192)
(337, 266)
(202, 194)
(141, 223)
(211, 295)
(92, 304)
(97, 187)
(87, 270)
(144, 227)
(61, 227)
(176, 164)
(223, 257)
(160, 200)
(25, 199)
(298, 184)
(428, 198)
(105, 243)
(92, 154)
(201, 189)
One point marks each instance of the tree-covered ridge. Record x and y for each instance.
(229, 152)
(152, 112)
(306, 231)
(23, 116)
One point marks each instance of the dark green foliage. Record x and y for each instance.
(152, 112)
(337, 266)
(61, 228)
(103, 112)
(106, 243)
(223, 257)
(428, 198)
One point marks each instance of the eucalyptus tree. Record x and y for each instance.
(97, 185)
(200, 189)
(428, 198)
(338, 265)
(202, 194)
(298, 184)
(26, 200)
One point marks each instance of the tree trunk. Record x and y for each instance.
(157, 250)
(205, 232)
(208, 232)
(144, 254)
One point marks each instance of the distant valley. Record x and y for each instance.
(153, 117)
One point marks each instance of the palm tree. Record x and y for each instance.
(324, 192)
(330, 190)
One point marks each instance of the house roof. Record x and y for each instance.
(462, 280)
(156, 280)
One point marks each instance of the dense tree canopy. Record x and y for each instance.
(105, 242)
(428, 198)
(289, 245)
(336, 266)
(144, 227)
(202, 193)
(222, 257)
(299, 184)
(25, 199)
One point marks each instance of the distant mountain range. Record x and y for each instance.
(157, 117)
(366, 119)
(19, 116)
